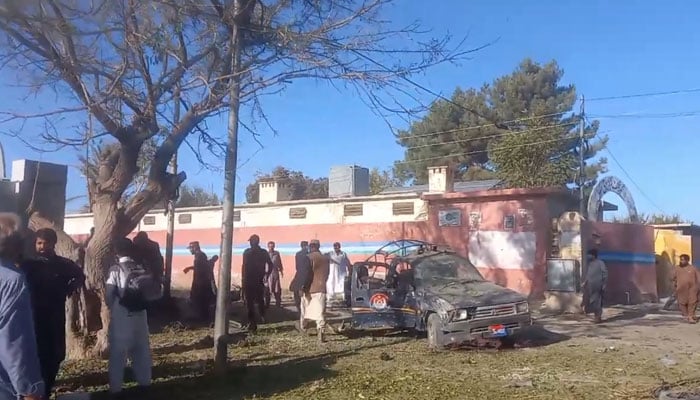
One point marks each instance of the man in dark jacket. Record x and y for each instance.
(148, 254)
(52, 279)
(302, 273)
(257, 264)
(203, 290)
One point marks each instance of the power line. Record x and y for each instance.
(490, 136)
(484, 151)
(469, 128)
(651, 94)
(679, 114)
(624, 171)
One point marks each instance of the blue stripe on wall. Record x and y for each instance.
(366, 248)
(624, 257)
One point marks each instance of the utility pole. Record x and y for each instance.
(582, 161)
(221, 324)
(170, 235)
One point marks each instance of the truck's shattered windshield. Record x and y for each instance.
(445, 267)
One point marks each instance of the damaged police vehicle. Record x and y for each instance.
(410, 284)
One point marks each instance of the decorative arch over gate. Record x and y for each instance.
(610, 184)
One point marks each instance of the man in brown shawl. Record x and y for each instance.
(686, 282)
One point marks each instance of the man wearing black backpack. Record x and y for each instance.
(130, 288)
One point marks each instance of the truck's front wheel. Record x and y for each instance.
(435, 334)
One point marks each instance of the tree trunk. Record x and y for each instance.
(98, 259)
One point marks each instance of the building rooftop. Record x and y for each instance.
(462, 187)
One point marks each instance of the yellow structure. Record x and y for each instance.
(670, 241)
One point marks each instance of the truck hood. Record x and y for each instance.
(473, 294)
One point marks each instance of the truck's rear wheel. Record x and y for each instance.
(435, 334)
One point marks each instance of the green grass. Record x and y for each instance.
(278, 363)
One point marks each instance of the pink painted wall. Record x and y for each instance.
(361, 239)
(628, 252)
(527, 281)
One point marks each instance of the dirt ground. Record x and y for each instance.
(635, 354)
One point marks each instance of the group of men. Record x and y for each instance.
(33, 293)
(317, 278)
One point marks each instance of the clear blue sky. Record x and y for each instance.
(607, 48)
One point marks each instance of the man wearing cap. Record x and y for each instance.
(203, 291)
(313, 304)
(257, 265)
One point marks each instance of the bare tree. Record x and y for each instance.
(125, 62)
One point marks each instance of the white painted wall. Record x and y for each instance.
(376, 209)
(505, 250)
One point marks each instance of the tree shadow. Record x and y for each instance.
(196, 379)
(237, 382)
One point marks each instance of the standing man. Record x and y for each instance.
(313, 305)
(594, 284)
(20, 371)
(202, 292)
(275, 276)
(52, 279)
(254, 272)
(339, 269)
(686, 281)
(127, 297)
(148, 254)
(302, 274)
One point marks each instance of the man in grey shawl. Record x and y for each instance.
(594, 284)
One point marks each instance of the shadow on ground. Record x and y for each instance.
(196, 379)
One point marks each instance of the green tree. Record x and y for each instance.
(653, 219)
(381, 180)
(303, 187)
(520, 128)
(540, 147)
(450, 134)
(194, 196)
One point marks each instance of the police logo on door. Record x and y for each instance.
(379, 301)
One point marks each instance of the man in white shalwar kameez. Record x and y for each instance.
(340, 268)
(128, 331)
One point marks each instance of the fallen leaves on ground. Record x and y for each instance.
(279, 363)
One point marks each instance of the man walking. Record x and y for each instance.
(302, 274)
(686, 282)
(127, 296)
(20, 371)
(594, 284)
(52, 279)
(313, 304)
(274, 285)
(254, 272)
(203, 289)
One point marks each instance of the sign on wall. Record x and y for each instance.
(525, 217)
(509, 222)
(451, 217)
(474, 219)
